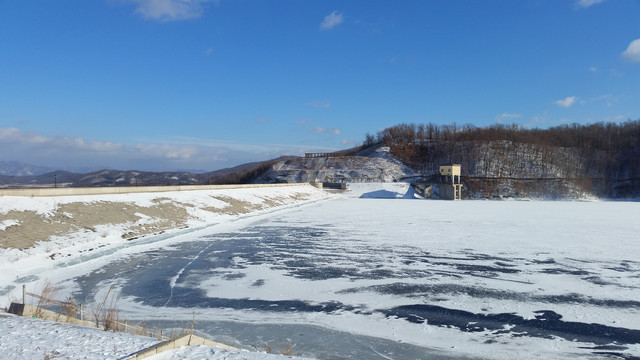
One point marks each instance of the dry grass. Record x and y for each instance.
(12, 298)
(107, 312)
(70, 308)
(288, 351)
(53, 354)
(185, 330)
(48, 292)
(111, 319)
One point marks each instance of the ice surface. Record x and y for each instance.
(379, 267)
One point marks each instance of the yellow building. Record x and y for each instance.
(452, 171)
(450, 179)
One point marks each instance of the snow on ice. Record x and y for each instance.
(376, 273)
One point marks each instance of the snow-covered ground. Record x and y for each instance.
(375, 164)
(24, 338)
(375, 273)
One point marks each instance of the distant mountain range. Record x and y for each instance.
(18, 168)
(15, 174)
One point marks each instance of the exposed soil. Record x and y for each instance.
(165, 214)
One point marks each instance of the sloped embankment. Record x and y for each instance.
(58, 222)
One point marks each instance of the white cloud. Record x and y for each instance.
(587, 3)
(209, 51)
(319, 104)
(506, 116)
(321, 129)
(633, 51)
(608, 99)
(169, 10)
(67, 152)
(167, 151)
(332, 20)
(616, 118)
(567, 102)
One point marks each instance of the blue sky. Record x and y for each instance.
(179, 84)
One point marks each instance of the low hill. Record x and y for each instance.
(373, 164)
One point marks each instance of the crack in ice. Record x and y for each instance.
(174, 279)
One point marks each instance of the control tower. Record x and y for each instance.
(450, 185)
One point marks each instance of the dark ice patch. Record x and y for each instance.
(597, 280)
(547, 324)
(486, 269)
(437, 291)
(545, 261)
(234, 276)
(502, 263)
(561, 271)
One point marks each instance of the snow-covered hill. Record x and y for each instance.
(372, 165)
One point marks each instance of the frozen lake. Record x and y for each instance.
(360, 276)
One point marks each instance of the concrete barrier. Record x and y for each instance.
(133, 189)
(186, 340)
(31, 311)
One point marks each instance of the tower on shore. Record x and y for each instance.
(450, 185)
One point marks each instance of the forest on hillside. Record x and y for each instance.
(601, 159)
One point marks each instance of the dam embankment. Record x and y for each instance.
(63, 217)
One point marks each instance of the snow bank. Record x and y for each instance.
(25, 339)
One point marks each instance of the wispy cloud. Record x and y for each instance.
(321, 129)
(262, 120)
(608, 99)
(633, 51)
(169, 10)
(209, 51)
(587, 3)
(612, 73)
(506, 116)
(566, 102)
(303, 122)
(66, 152)
(319, 104)
(615, 118)
(332, 20)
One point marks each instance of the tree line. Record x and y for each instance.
(597, 136)
(600, 157)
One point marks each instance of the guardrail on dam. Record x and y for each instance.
(135, 189)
